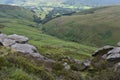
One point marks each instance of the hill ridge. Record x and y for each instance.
(99, 27)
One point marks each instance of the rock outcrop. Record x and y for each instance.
(118, 44)
(66, 66)
(117, 67)
(109, 53)
(113, 55)
(18, 38)
(103, 50)
(20, 44)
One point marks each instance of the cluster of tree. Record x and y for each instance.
(57, 12)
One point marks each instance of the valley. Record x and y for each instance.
(45, 43)
(59, 40)
(95, 27)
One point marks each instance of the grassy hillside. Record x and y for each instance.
(15, 66)
(47, 45)
(14, 12)
(94, 27)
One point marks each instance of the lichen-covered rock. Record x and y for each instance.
(24, 48)
(103, 50)
(66, 66)
(18, 38)
(8, 42)
(113, 55)
(19, 43)
(67, 59)
(12, 39)
(2, 37)
(87, 63)
(81, 65)
(118, 44)
(117, 67)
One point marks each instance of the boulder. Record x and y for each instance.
(2, 37)
(24, 48)
(77, 61)
(113, 55)
(118, 44)
(117, 67)
(19, 43)
(103, 50)
(8, 42)
(67, 59)
(18, 38)
(66, 66)
(81, 65)
(87, 63)
(36, 55)
(12, 39)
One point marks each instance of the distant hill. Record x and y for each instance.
(29, 2)
(15, 12)
(92, 3)
(68, 2)
(98, 26)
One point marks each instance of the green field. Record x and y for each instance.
(97, 27)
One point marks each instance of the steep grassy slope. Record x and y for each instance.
(15, 66)
(95, 27)
(14, 12)
(47, 45)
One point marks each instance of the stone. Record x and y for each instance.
(87, 63)
(118, 44)
(66, 66)
(19, 43)
(2, 37)
(18, 38)
(117, 67)
(113, 55)
(37, 55)
(103, 50)
(77, 61)
(81, 65)
(24, 48)
(8, 42)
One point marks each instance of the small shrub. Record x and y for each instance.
(25, 64)
(58, 66)
(4, 62)
(20, 75)
(73, 76)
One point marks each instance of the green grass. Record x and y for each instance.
(15, 66)
(15, 12)
(97, 27)
(47, 45)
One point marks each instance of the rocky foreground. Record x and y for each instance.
(109, 53)
(104, 64)
(20, 44)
